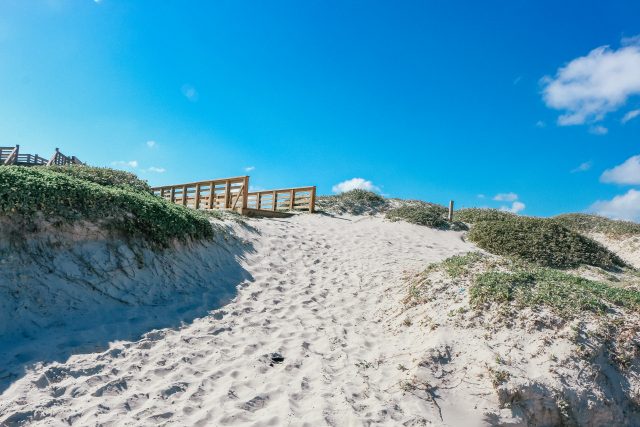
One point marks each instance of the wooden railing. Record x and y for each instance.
(287, 199)
(12, 156)
(59, 159)
(8, 155)
(233, 194)
(228, 193)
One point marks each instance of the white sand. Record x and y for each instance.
(320, 292)
(326, 295)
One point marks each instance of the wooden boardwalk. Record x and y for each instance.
(233, 194)
(12, 156)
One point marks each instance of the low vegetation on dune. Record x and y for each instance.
(543, 242)
(473, 215)
(104, 176)
(355, 202)
(500, 281)
(114, 199)
(587, 224)
(429, 215)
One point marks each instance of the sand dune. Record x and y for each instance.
(295, 347)
(317, 336)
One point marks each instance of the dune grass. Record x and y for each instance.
(584, 223)
(355, 202)
(113, 199)
(104, 176)
(564, 293)
(473, 215)
(543, 242)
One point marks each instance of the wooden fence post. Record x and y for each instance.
(173, 194)
(212, 194)
(450, 217)
(312, 201)
(227, 195)
(275, 201)
(197, 201)
(292, 198)
(245, 193)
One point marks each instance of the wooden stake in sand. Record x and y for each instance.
(450, 217)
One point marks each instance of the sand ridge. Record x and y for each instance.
(306, 342)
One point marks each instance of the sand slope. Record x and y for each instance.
(307, 342)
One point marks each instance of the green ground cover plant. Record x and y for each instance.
(71, 196)
(104, 176)
(564, 293)
(355, 202)
(543, 242)
(585, 223)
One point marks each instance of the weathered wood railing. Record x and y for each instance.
(228, 193)
(233, 194)
(286, 199)
(12, 156)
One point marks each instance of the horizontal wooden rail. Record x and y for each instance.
(227, 193)
(284, 199)
(12, 156)
(233, 194)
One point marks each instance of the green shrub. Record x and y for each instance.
(26, 191)
(541, 241)
(104, 176)
(356, 202)
(583, 223)
(544, 287)
(429, 215)
(473, 215)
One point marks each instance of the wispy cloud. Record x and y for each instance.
(249, 168)
(353, 184)
(190, 92)
(151, 144)
(127, 164)
(626, 173)
(589, 87)
(505, 197)
(156, 170)
(583, 167)
(541, 124)
(625, 206)
(630, 115)
(598, 130)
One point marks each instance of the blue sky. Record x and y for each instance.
(435, 100)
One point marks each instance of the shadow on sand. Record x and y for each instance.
(80, 306)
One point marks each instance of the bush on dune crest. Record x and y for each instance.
(355, 202)
(543, 242)
(104, 176)
(584, 223)
(123, 207)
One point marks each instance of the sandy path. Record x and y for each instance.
(322, 292)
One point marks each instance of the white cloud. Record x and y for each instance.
(583, 167)
(598, 130)
(151, 144)
(353, 184)
(481, 196)
(505, 197)
(156, 170)
(626, 173)
(249, 168)
(515, 207)
(190, 92)
(589, 87)
(130, 164)
(625, 206)
(630, 116)
(541, 124)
